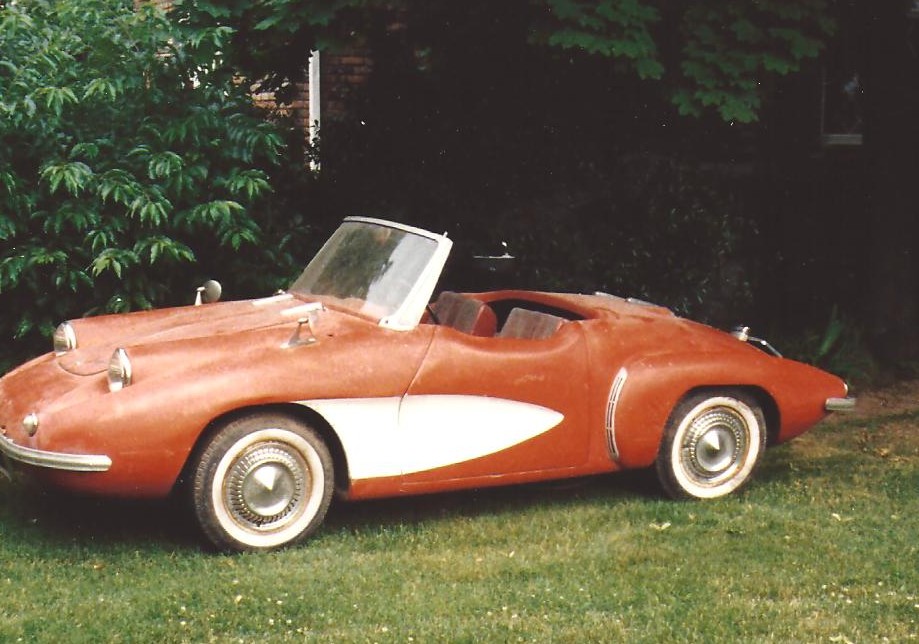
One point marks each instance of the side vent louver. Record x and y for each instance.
(614, 392)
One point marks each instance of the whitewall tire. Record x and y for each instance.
(262, 482)
(711, 445)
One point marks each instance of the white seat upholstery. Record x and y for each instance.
(465, 314)
(530, 325)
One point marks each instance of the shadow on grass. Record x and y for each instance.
(785, 464)
(56, 518)
(611, 489)
(53, 518)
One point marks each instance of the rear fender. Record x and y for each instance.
(654, 386)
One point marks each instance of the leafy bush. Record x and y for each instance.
(128, 157)
(839, 347)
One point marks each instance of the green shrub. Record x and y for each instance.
(840, 348)
(128, 157)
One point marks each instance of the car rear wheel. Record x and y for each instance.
(711, 445)
(262, 482)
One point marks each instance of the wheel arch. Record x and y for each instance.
(655, 387)
(292, 410)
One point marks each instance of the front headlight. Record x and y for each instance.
(119, 370)
(65, 338)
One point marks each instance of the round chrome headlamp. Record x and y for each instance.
(119, 370)
(65, 338)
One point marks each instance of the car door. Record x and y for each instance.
(488, 410)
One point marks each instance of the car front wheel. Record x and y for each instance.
(262, 482)
(711, 445)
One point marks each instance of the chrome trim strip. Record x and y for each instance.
(303, 309)
(840, 404)
(759, 343)
(614, 393)
(55, 460)
(267, 301)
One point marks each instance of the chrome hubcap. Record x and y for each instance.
(716, 450)
(266, 486)
(714, 444)
(268, 489)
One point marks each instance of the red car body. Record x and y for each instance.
(472, 390)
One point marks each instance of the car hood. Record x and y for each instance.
(98, 337)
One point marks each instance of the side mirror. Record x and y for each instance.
(208, 292)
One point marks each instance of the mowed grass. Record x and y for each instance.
(822, 547)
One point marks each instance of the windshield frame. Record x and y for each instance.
(407, 314)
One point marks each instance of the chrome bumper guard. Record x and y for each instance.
(54, 460)
(840, 404)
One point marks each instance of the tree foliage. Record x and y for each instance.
(704, 55)
(127, 152)
(486, 112)
(732, 48)
(269, 40)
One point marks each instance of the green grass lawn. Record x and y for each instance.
(823, 546)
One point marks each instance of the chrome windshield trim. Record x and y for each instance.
(398, 226)
(840, 404)
(415, 265)
(55, 460)
(409, 314)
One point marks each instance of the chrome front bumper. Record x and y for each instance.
(840, 404)
(54, 460)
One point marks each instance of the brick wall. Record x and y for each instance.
(340, 75)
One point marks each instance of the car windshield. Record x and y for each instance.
(367, 267)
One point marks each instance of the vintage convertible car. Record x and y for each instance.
(354, 380)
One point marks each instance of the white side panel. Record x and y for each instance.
(382, 437)
(368, 430)
(444, 430)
